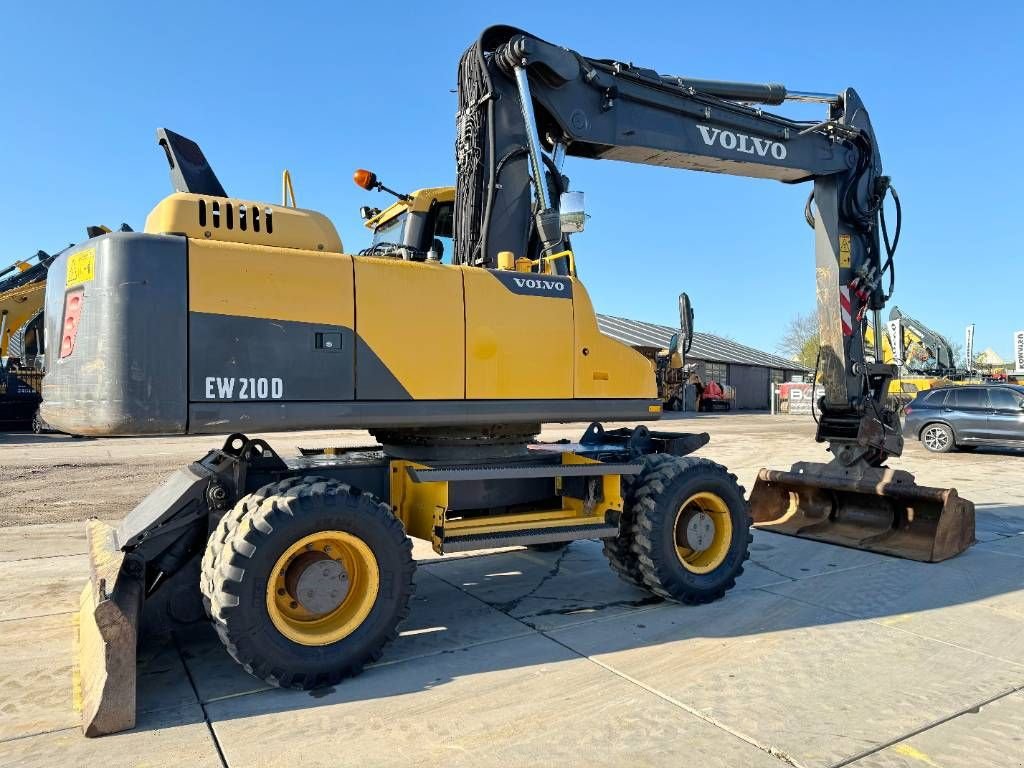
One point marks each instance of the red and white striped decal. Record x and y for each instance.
(844, 310)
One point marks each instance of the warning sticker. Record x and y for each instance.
(81, 267)
(844, 251)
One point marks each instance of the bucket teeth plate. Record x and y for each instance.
(106, 630)
(875, 509)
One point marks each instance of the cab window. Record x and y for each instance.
(444, 229)
(391, 233)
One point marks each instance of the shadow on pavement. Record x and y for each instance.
(798, 603)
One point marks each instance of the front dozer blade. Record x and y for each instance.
(875, 509)
(107, 630)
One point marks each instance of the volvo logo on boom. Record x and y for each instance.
(741, 142)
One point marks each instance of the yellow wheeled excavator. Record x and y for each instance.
(227, 314)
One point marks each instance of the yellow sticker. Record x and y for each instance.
(81, 267)
(844, 251)
(654, 409)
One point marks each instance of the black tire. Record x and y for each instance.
(549, 546)
(618, 550)
(937, 438)
(228, 523)
(657, 499)
(251, 539)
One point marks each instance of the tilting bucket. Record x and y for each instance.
(106, 629)
(879, 510)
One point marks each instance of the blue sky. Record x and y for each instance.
(323, 88)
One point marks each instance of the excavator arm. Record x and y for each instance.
(525, 104)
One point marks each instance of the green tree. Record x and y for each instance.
(800, 339)
(808, 355)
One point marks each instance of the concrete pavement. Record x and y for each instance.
(820, 656)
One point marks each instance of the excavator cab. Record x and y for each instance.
(418, 226)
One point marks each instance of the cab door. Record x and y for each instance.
(519, 335)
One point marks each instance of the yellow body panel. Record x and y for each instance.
(194, 215)
(420, 506)
(517, 347)
(255, 281)
(611, 492)
(411, 315)
(609, 368)
(423, 507)
(444, 332)
(20, 304)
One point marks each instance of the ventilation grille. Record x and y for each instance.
(226, 215)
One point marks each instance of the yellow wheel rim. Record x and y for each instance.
(351, 594)
(704, 515)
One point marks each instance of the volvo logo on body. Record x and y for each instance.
(542, 285)
(741, 142)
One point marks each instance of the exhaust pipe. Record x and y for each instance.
(874, 509)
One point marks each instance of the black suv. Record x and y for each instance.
(964, 417)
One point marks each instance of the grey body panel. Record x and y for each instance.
(128, 367)
(226, 351)
(261, 416)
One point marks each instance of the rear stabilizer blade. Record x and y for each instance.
(106, 634)
(875, 509)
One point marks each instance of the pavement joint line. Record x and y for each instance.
(42, 557)
(206, 716)
(784, 577)
(521, 619)
(377, 665)
(1004, 554)
(32, 735)
(778, 754)
(573, 624)
(40, 616)
(418, 657)
(831, 572)
(876, 622)
(927, 727)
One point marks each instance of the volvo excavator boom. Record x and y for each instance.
(525, 104)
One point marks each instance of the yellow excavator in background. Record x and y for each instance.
(22, 292)
(229, 314)
(923, 358)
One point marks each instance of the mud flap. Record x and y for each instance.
(106, 636)
(875, 509)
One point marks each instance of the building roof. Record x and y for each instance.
(706, 346)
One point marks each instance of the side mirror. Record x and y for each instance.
(572, 214)
(684, 339)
